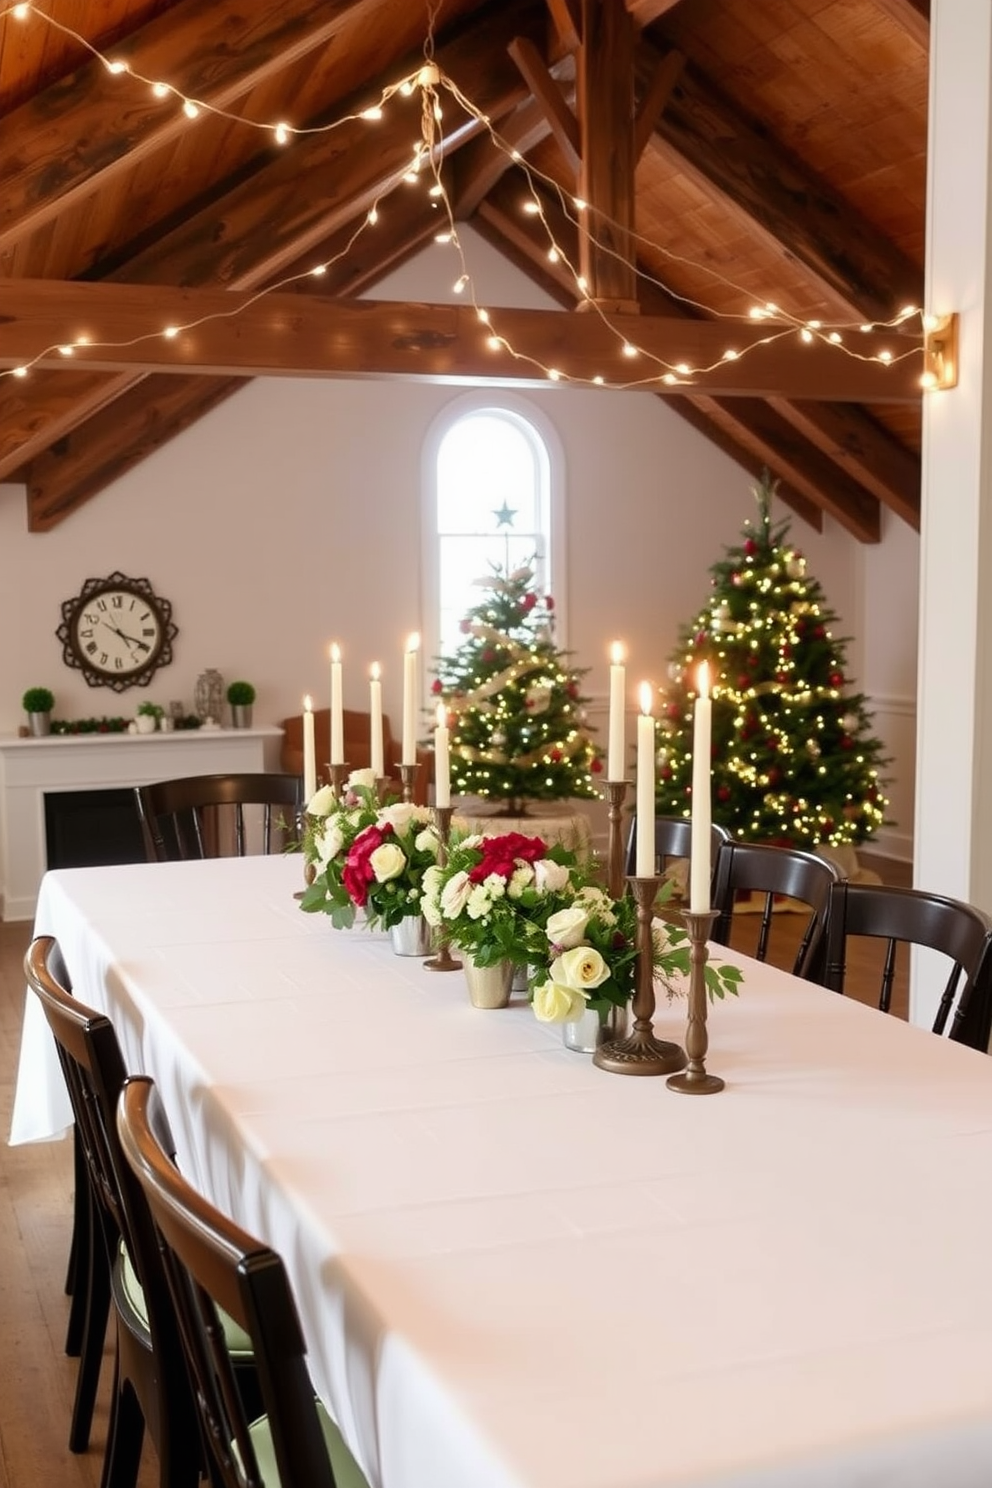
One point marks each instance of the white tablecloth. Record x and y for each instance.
(516, 1271)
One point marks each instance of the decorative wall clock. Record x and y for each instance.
(117, 631)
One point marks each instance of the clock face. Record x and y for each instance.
(117, 632)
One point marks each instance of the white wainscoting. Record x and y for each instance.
(31, 768)
(894, 722)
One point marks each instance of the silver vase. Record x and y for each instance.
(412, 937)
(489, 986)
(584, 1035)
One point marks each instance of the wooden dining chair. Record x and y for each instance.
(199, 815)
(151, 1385)
(672, 840)
(756, 868)
(210, 1263)
(900, 916)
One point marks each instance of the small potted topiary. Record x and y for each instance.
(240, 695)
(148, 717)
(38, 703)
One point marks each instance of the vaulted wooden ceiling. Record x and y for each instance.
(732, 154)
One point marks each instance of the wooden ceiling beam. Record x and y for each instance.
(911, 16)
(770, 438)
(113, 441)
(797, 211)
(331, 179)
(646, 11)
(85, 130)
(565, 15)
(481, 163)
(561, 120)
(151, 411)
(652, 105)
(605, 86)
(864, 449)
(304, 335)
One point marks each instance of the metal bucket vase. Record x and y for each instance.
(489, 986)
(241, 715)
(412, 937)
(39, 725)
(585, 1034)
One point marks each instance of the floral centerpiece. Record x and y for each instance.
(365, 856)
(589, 958)
(494, 895)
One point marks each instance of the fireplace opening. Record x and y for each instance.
(92, 828)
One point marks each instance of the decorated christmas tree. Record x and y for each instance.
(793, 760)
(516, 710)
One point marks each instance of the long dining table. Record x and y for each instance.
(515, 1270)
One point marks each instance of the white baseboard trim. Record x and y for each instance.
(891, 844)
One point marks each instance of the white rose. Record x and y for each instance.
(388, 861)
(329, 843)
(427, 841)
(454, 895)
(359, 778)
(322, 802)
(553, 1003)
(550, 876)
(475, 840)
(480, 902)
(568, 926)
(398, 816)
(582, 967)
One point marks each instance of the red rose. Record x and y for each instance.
(500, 855)
(357, 874)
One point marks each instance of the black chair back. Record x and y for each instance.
(751, 867)
(210, 1262)
(956, 930)
(186, 818)
(673, 839)
(151, 1383)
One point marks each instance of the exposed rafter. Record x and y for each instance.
(305, 335)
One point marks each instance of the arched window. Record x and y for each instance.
(493, 468)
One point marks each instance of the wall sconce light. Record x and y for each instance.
(940, 352)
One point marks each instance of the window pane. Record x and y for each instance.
(486, 464)
(462, 560)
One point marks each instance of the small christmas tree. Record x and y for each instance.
(516, 706)
(793, 757)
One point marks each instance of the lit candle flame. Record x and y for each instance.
(616, 653)
(647, 695)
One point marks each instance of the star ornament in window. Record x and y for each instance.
(504, 515)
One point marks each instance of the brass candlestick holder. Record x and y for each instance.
(444, 960)
(408, 775)
(694, 1080)
(640, 1053)
(616, 793)
(337, 775)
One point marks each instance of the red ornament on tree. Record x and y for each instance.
(436, 686)
(549, 602)
(723, 792)
(750, 547)
(836, 679)
(597, 766)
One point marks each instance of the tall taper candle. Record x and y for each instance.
(442, 759)
(644, 856)
(337, 707)
(375, 714)
(699, 864)
(615, 763)
(410, 700)
(309, 752)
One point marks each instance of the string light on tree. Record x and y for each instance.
(794, 760)
(515, 707)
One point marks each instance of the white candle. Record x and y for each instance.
(337, 714)
(699, 864)
(644, 859)
(615, 763)
(442, 760)
(410, 660)
(309, 752)
(375, 713)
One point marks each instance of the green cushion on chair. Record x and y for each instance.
(238, 1342)
(347, 1472)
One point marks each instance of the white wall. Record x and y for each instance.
(290, 515)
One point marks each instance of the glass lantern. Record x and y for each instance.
(208, 696)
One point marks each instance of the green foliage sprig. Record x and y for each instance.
(38, 700)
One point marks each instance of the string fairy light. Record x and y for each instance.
(428, 154)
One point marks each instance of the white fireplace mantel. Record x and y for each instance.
(31, 768)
